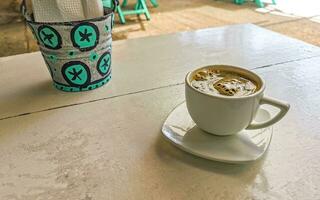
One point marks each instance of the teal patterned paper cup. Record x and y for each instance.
(78, 53)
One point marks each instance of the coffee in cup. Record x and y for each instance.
(220, 82)
(223, 100)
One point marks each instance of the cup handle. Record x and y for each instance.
(283, 106)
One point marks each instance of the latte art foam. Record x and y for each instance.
(223, 83)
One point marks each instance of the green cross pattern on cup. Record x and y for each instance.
(85, 36)
(76, 73)
(104, 64)
(49, 37)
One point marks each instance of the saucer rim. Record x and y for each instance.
(192, 152)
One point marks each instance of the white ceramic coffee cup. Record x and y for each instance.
(227, 115)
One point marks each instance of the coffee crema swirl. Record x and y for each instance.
(219, 82)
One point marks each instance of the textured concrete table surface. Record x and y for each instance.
(107, 144)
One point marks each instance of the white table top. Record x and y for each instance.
(107, 144)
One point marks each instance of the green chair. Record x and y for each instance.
(153, 2)
(139, 8)
(258, 2)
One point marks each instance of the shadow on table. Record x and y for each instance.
(168, 152)
(32, 98)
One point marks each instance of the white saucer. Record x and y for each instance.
(245, 146)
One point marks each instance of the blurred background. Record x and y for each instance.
(295, 18)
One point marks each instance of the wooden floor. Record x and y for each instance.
(180, 15)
